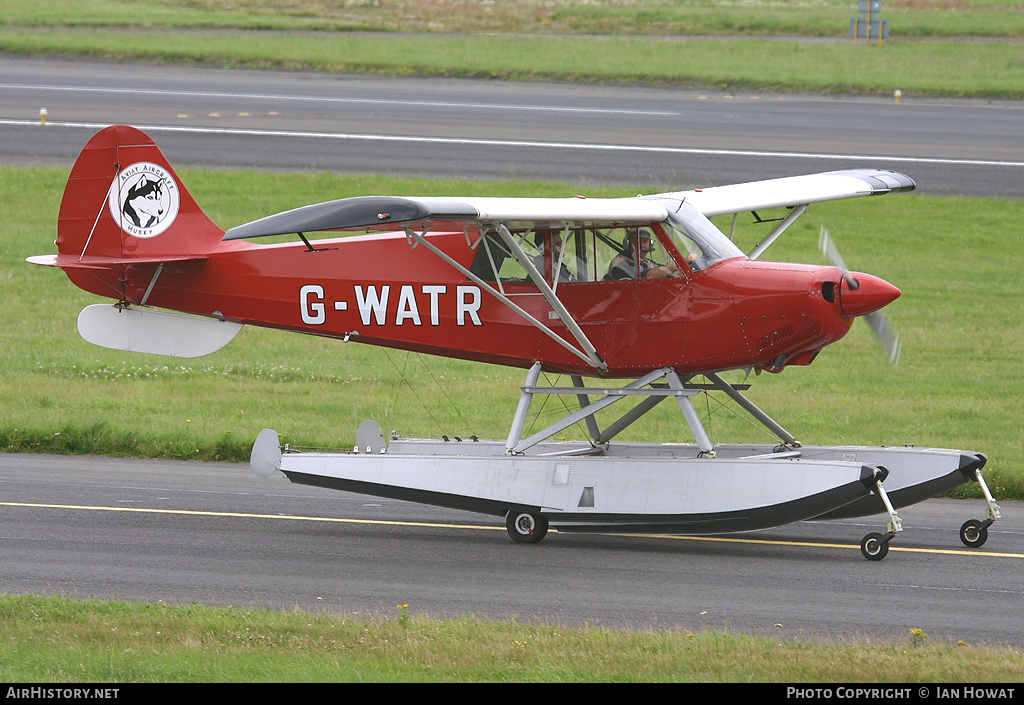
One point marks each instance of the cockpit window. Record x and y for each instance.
(698, 240)
(591, 254)
(570, 254)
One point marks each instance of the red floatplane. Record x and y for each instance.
(633, 298)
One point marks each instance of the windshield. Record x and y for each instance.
(698, 240)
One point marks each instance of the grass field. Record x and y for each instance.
(823, 18)
(676, 42)
(57, 640)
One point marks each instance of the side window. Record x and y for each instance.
(600, 254)
(582, 254)
(494, 262)
(589, 252)
(560, 257)
(637, 253)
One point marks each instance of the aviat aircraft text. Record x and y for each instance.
(411, 305)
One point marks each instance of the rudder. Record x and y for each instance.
(124, 201)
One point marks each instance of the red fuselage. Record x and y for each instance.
(377, 289)
(128, 229)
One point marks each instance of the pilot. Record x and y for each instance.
(633, 261)
(554, 251)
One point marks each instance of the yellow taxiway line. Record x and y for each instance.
(382, 522)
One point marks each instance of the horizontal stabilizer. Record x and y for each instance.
(84, 262)
(155, 332)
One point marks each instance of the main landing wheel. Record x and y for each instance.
(524, 527)
(973, 533)
(874, 547)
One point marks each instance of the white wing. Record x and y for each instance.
(377, 212)
(792, 191)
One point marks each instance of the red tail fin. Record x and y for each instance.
(123, 201)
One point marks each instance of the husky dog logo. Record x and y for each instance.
(144, 200)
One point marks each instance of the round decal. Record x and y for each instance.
(144, 200)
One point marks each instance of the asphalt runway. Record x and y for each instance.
(180, 531)
(644, 138)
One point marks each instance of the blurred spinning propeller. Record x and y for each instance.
(887, 337)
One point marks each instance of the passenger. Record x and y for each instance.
(633, 262)
(554, 252)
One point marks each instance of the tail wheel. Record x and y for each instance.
(525, 527)
(973, 533)
(874, 547)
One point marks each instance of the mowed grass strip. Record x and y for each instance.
(823, 18)
(961, 69)
(778, 46)
(57, 640)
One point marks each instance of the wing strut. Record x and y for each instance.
(549, 294)
(776, 231)
(588, 352)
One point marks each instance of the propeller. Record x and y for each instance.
(884, 333)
